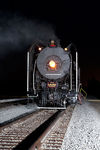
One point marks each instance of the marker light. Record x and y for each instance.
(52, 64)
(40, 48)
(66, 49)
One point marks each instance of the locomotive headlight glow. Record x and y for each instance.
(52, 64)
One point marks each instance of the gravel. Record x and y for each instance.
(10, 112)
(83, 132)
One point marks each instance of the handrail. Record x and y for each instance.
(81, 90)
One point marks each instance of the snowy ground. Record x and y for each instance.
(83, 132)
(12, 111)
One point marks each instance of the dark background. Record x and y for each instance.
(21, 22)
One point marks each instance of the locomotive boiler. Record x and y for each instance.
(52, 74)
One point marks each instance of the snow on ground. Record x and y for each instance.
(83, 132)
(12, 111)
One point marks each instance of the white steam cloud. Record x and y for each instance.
(18, 32)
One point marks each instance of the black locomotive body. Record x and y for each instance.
(52, 75)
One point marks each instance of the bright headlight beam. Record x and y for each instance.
(52, 64)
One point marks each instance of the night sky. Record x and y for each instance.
(70, 21)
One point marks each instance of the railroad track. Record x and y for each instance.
(12, 112)
(50, 134)
(13, 134)
(16, 108)
(2, 101)
(53, 137)
(44, 130)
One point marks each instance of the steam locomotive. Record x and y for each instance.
(53, 74)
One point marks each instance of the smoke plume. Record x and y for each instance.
(17, 33)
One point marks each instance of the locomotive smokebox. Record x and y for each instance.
(53, 63)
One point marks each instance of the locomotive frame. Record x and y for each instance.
(74, 75)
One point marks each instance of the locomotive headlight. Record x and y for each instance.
(52, 64)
